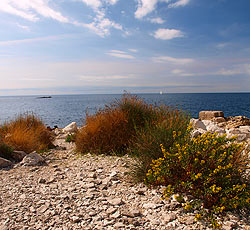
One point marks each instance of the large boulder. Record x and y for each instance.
(209, 115)
(5, 163)
(32, 159)
(71, 128)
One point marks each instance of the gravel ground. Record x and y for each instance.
(89, 192)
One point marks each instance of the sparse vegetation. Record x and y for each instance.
(210, 168)
(27, 133)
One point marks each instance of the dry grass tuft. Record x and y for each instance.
(105, 132)
(27, 133)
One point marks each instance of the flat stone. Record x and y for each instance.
(116, 201)
(149, 206)
(169, 217)
(76, 219)
(209, 115)
(111, 210)
(115, 215)
(42, 209)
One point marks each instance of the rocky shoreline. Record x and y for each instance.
(68, 191)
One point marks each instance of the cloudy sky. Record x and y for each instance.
(108, 46)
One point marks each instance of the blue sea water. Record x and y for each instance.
(60, 110)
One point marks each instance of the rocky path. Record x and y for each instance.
(88, 192)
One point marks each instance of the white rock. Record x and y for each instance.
(71, 128)
(212, 127)
(197, 132)
(197, 124)
(149, 206)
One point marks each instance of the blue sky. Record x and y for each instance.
(108, 46)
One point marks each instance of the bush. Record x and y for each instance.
(5, 151)
(26, 133)
(210, 168)
(112, 128)
(146, 144)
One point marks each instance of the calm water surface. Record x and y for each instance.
(62, 109)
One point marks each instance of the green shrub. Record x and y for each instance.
(146, 143)
(211, 168)
(110, 130)
(5, 151)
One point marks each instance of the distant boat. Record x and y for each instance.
(161, 92)
(44, 97)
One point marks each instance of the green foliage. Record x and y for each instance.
(71, 138)
(146, 144)
(211, 168)
(5, 151)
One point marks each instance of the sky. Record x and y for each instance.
(112, 46)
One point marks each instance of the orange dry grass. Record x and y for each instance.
(105, 132)
(26, 133)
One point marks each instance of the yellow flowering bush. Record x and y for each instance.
(209, 167)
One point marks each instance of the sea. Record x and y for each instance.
(60, 110)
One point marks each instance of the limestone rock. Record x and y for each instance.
(209, 115)
(32, 159)
(5, 163)
(197, 124)
(71, 128)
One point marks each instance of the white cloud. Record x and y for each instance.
(31, 40)
(167, 34)
(93, 3)
(229, 72)
(31, 9)
(179, 3)
(222, 45)
(23, 27)
(101, 25)
(133, 50)
(95, 78)
(157, 20)
(120, 54)
(179, 61)
(145, 7)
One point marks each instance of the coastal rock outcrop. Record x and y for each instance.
(214, 121)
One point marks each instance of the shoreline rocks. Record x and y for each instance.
(215, 121)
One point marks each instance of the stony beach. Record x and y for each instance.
(68, 191)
